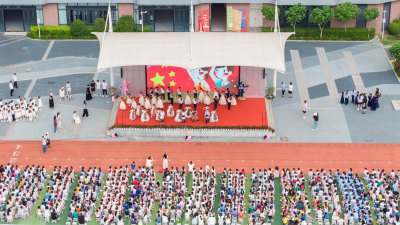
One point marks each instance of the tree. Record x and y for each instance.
(295, 14)
(78, 28)
(394, 28)
(322, 16)
(125, 24)
(269, 12)
(99, 25)
(395, 51)
(346, 12)
(369, 15)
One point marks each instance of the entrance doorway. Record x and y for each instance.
(218, 17)
(14, 20)
(164, 20)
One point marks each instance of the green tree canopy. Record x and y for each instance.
(369, 15)
(295, 14)
(322, 16)
(346, 12)
(269, 13)
(78, 28)
(125, 24)
(99, 25)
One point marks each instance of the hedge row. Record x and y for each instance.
(336, 34)
(64, 32)
(394, 27)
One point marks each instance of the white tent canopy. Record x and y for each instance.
(192, 50)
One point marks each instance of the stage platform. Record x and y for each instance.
(248, 113)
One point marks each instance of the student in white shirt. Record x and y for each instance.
(104, 89)
(68, 88)
(290, 91)
(98, 88)
(14, 77)
(11, 88)
(304, 109)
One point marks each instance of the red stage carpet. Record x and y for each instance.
(250, 112)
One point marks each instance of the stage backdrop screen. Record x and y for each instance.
(208, 78)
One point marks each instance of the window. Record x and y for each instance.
(62, 14)
(88, 13)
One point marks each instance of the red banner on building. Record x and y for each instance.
(204, 20)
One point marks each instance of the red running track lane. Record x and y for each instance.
(220, 155)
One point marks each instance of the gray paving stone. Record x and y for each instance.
(345, 84)
(380, 126)
(20, 91)
(22, 51)
(88, 49)
(377, 78)
(318, 91)
(45, 86)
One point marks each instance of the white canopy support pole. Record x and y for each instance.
(277, 29)
(111, 77)
(191, 30)
(191, 17)
(275, 73)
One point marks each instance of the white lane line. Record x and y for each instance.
(299, 74)
(326, 70)
(355, 74)
(12, 42)
(46, 53)
(30, 87)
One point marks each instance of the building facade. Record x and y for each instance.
(174, 15)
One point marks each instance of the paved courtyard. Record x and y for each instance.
(320, 69)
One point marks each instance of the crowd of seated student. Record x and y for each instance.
(201, 199)
(56, 195)
(383, 197)
(262, 202)
(85, 195)
(172, 196)
(141, 199)
(24, 196)
(111, 207)
(232, 195)
(295, 204)
(355, 202)
(325, 196)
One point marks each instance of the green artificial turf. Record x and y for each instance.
(278, 202)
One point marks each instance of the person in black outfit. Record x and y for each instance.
(54, 215)
(81, 218)
(88, 93)
(229, 103)
(171, 98)
(92, 88)
(85, 110)
(51, 101)
(215, 103)
(227, 93)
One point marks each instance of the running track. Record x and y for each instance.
(232, 155)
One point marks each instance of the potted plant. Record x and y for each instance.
(270, 93)
(113, 90)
